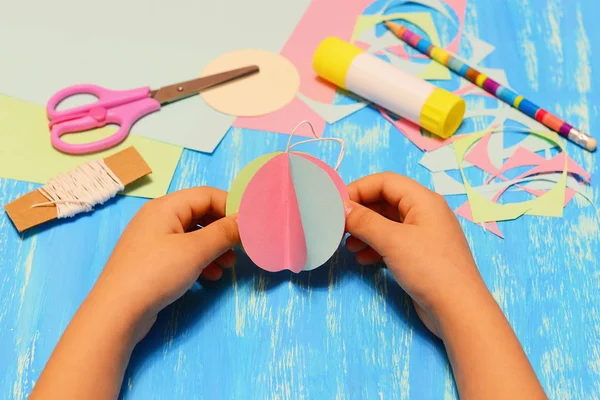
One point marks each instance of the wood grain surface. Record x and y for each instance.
(341, 331)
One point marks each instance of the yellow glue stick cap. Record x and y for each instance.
(333, 58)
(442, 113)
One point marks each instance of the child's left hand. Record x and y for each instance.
(158, 258)
(162, 252)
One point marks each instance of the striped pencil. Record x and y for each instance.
(494, 88)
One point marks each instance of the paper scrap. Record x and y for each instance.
(272, 88)
(364, 31)
(448, 186)
(191, 34)
(484, 210)
(465, 211)
(444, 158)
(27, 155)
(458, 6)
(269, 218)
(426, 142)
(332, 113)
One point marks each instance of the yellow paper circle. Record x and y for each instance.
(272, 88)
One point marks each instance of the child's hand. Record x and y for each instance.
(162, 252)
(418, 237)
(159, 256)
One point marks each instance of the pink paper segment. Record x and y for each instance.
(459, 7)
(269, 219)
(465, 211)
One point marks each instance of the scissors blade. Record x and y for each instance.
(169, 94)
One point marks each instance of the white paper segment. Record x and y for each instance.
(49, 45)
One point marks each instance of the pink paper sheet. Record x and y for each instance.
(269, 219)
(323, 18)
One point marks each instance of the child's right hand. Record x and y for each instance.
(418, 237)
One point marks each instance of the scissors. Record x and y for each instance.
(121, 107)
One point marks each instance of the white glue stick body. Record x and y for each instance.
(407, 96)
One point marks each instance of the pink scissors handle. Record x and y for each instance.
(122, 108)
(106, 98)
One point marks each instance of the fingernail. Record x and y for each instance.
(348, 207)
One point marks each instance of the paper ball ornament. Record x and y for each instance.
(290, 211)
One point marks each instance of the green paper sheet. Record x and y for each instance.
(27, 155)
(551, 204)
(434, 70)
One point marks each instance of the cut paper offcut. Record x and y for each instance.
(444, 158)
(433, 4)
(478, 156)
(364, 31)
(291, 215)
(523, 157)
(484, 210)
(545, 183)
(465, 211)
(273, 87)
(27, 155)
(332, 113)
(458, 6)
(445, 185)
(316, 25)
(157, 45)
(413, 133)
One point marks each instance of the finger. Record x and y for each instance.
(355, 245)
(375, 230)
(190, 205)
(206, 220)
(403, 193)
(226, 260)
(386, 209)
(368, 257)
(212, 272)
(204, 246)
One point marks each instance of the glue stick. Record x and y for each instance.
(349, 67)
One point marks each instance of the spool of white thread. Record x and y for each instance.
(407, 96)
(80, 189)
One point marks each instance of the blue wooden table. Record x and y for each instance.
(341, 331)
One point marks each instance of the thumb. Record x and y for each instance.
(207, 244)
(372, 228)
